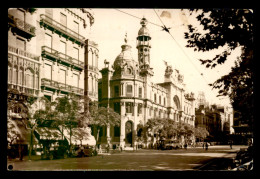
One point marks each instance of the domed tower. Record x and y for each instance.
(143, 46)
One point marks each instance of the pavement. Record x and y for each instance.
(216, 157)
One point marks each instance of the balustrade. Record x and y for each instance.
(61, 29)
(62, 86)
(63, 57)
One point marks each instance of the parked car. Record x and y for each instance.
(55, 152)
(84, 151)
(172, 144)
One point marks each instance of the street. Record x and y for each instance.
(215, 158)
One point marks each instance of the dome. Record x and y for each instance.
(143, 31)
(124, 57)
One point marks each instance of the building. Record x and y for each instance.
(49, 54)
(129, 90)
(218, 120)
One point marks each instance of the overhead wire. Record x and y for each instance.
(167, 30)
(137, 17)
(181, 48)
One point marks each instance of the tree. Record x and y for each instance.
(200, 133)
(232, 29)
(103, 117)
(70, 115)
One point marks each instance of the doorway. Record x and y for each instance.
(128, 133)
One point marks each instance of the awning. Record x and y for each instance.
(47, 133)
(90, 140)
(19, 128)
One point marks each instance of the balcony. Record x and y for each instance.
(93, 68)
(64, 59)
(64, 88)
(61, 30)
(20, 27)
(24, 89)
(23, 53)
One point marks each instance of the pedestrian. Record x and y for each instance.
(185, 146)
(203, 145)
(20, 152)
(107, 148)
(230, 143)
(121, 148)
(206, 145)
(100, 148)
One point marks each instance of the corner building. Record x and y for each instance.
(129, 90)
(49, 54)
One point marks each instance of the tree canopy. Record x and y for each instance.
(231, 29)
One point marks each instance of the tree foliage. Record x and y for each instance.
(232, 29)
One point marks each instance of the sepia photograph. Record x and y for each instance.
(130, 89)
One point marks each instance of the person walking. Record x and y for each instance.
(230, 143)
(206, 146)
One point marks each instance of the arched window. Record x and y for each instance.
(15, 74)
(9, 74)
(176, 102)
(29, 78)
(20, 76)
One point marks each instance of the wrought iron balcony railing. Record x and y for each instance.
(61, 86)
(21, 27)
(23, 53)
(65, 59)
(62, 30)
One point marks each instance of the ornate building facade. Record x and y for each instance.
(49, 53)
(129, 90)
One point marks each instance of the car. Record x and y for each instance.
(172, 144)
(55, 152)
(84, 151)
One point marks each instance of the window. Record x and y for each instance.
(21, 15)
(63, 47)
(63, 19)
(116, 91)
(116, 131)
(75, 27)
(29, 78)
(129, 90)
(140, 92)
(129, 107)
(75, 53)
(117, 107)
(139, 109)
(15, 74)
(48, 40)
(47, 71)
(62, 76)
(20, 77)
(9, 74)
(159, 99)
(36, 81)
(75, 80)
(150, 112)
(155, 98)
(164, 102)
(21, 44)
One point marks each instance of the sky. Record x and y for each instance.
(111, 25)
